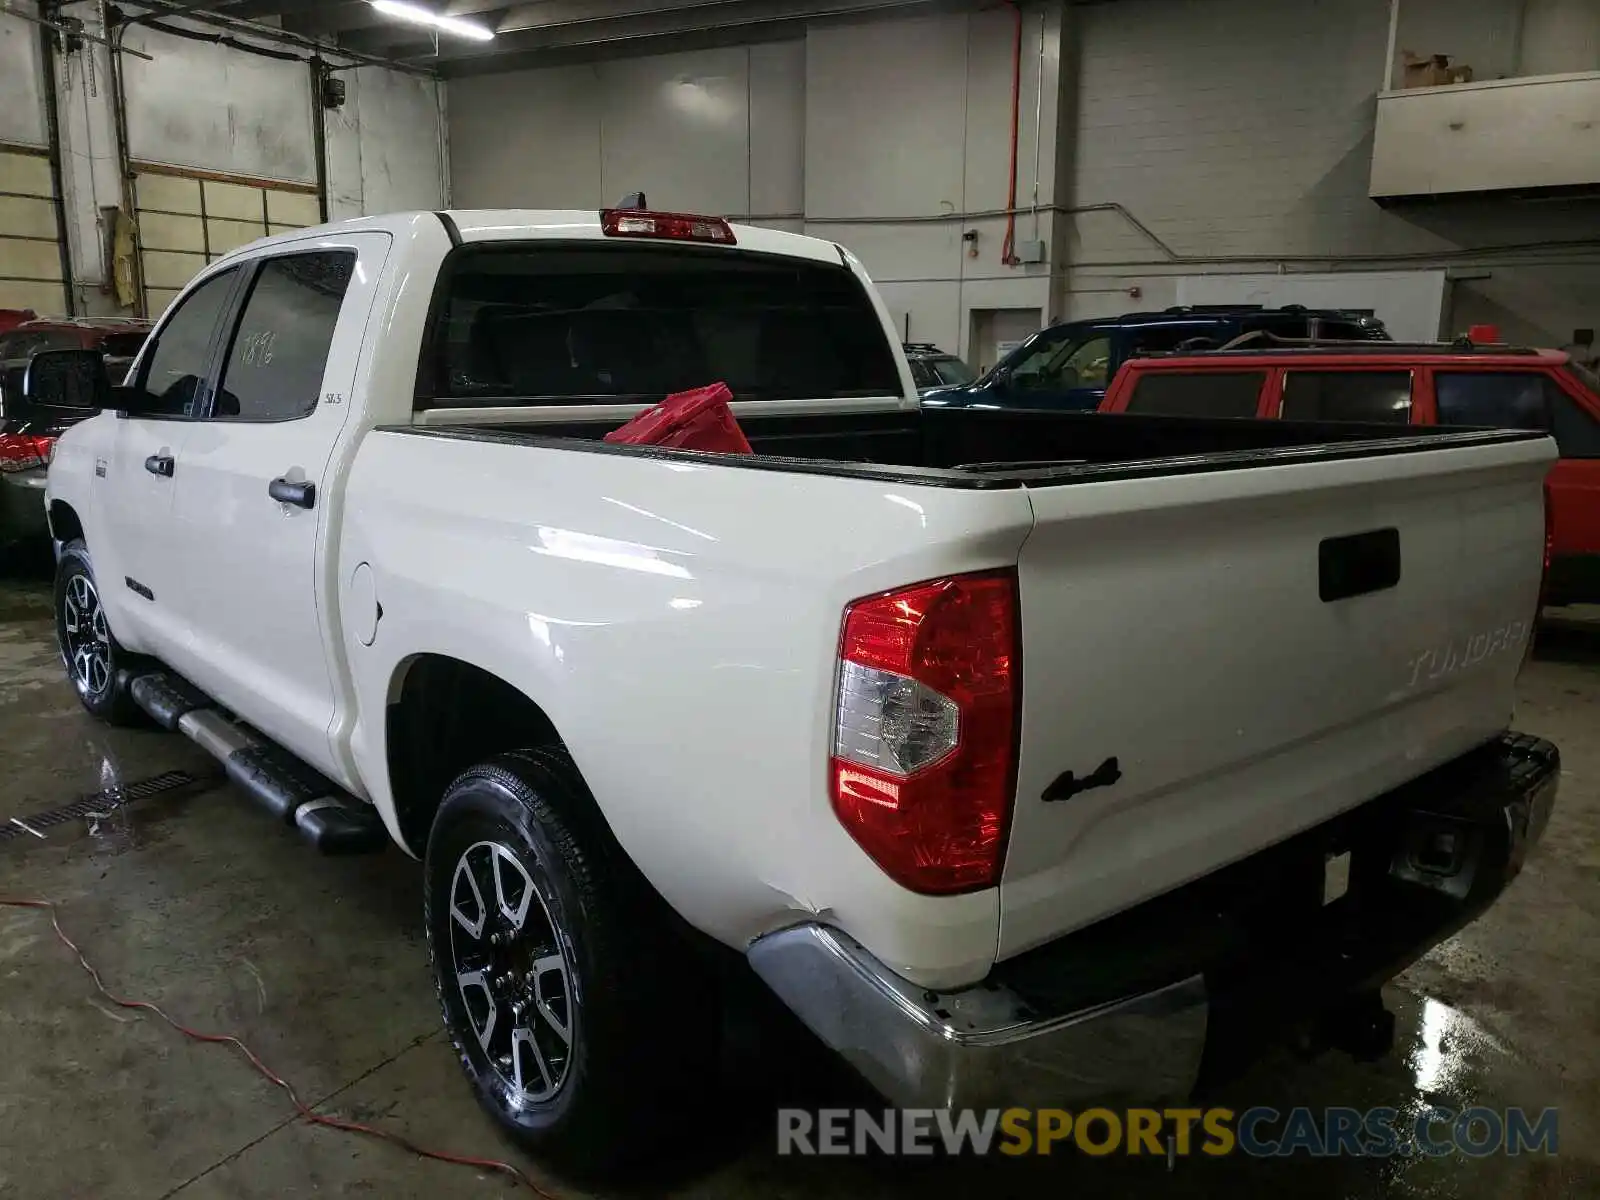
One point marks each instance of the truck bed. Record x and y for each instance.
(1231, 630)
(982, 449)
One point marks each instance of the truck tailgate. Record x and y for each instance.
(1193, 627)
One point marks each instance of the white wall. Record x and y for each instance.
(698, 132)
(1502, 39)
(1560, 35)
(1482, 34)
(910, 119)
(385, 147)
(209, 106)
(1239, 151)
(881, 135)
(215, 108)
(1177, 138)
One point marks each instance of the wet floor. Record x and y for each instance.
(200, 903)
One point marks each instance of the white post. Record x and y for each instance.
(1394, 35)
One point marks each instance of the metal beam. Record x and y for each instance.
(567, 24)
(253, 9)
(335, 17)
(164, 8)
(541, 14)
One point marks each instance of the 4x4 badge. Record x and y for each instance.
(1068, 785)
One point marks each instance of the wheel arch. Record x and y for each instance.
(445, 714)
(65, 524)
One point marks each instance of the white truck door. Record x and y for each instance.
(136, 560)
(252, 502)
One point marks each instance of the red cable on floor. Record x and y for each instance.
(316, 1118)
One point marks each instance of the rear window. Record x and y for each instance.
(122, 345)
(1347, 396)
(1517, 400)
(1205, 394)
(594, 324)
(953, 371)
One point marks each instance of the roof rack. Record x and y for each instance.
(928, 346)
(1259, 340)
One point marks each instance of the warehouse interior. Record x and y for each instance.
(998, 168)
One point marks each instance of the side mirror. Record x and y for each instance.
(67, 379)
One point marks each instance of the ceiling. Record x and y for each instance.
(535, 31)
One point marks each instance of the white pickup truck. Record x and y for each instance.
(1010, 749)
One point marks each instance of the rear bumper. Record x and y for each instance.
(1147, 1004)
(22, 515)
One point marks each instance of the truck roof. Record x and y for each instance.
(87, 324)
(531, 224)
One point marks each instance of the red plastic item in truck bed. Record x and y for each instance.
(694, 420)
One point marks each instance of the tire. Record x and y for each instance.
(96, 663)
(618, 1032)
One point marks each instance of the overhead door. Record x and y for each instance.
(189, 218)
(30, 239)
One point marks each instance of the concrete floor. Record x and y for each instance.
(205, 906)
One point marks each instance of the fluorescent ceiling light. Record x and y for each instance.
(417, 15)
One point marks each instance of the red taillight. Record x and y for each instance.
(24, 451)
(925, 732)
(682, 227)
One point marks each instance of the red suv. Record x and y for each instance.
(28, 434)
(1455, 384)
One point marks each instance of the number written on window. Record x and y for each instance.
(280, 350)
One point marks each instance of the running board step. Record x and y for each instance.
(328, 818)
(167, 698)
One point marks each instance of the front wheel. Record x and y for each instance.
(96, 664)
(582, 1031)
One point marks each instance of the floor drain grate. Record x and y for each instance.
(105, 802)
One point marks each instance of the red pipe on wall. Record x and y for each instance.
(1008, 249)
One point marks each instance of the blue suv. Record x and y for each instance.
(1069, 365)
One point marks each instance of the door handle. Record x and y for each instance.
(161, 464)
(301, 495)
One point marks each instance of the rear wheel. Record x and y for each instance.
(577, 1025)
(96, 664)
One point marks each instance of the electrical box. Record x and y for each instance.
(1030, 252)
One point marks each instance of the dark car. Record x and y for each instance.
(28, 432)
(932, 367)
(1068, 366)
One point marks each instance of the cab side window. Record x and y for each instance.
(1574, 427)
(174, 372)
(280, 349)
(1379, 396)
(1503, 399)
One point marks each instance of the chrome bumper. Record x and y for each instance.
(987, 1046)
(980, 1047)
